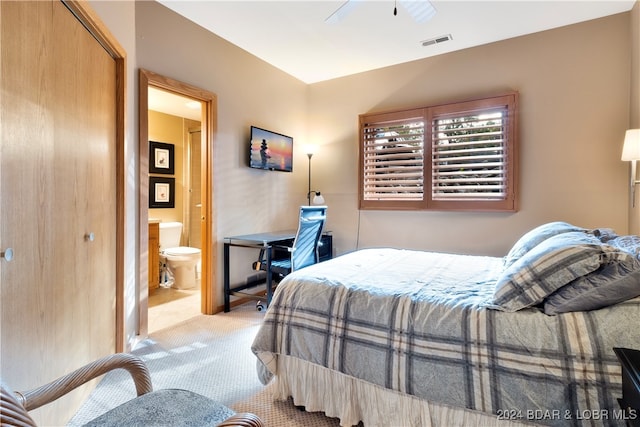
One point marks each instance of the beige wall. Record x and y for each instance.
(634, 117)
(170, 129)
(574, 84)
(249, 92)
(119, 17)
(634, 19)
(174, 130)
(574, 108)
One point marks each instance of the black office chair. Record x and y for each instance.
(303, 252)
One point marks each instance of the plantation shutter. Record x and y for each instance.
(469, 156)
(393, 158)
(459, 156)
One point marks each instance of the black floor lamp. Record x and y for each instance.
(317, 198)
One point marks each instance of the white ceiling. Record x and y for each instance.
(293, 36)
(176, 105)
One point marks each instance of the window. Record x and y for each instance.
(459, 156)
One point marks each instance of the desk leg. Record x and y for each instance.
(227, 305)
(269, 279)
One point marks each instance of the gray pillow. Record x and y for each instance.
(604, 234)
(547, 267)
(535, 236)
(615, 282)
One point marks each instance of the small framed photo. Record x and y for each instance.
(162, 192)
(161, 157)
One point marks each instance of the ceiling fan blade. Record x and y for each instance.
(420, 10)
(341, 12)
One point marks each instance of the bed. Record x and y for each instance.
(392, 337)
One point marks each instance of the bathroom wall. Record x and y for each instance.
(174, 130)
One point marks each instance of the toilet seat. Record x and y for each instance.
(182, 250)
(181, 253)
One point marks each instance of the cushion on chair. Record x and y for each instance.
(167, 407)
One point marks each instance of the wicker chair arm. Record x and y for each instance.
(245, 419)
(12, 413)
(37, 397)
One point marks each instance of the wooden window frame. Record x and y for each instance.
(376, 122)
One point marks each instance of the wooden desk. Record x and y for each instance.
(264, 241)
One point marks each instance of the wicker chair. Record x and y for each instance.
(163, 407)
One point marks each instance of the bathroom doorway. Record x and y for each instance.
(195, 202)
(169, 306)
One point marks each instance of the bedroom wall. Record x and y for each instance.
(634, 117)
(634, 17)
(565, 78)
(119, 17)
(249, 92)
(574, 87)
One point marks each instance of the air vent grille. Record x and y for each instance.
(437, 40)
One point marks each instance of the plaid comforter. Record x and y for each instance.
(419, 323)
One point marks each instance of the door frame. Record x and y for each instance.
(92, 22)
(208, 99)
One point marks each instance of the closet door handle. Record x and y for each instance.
(90, 237)
(7, 254)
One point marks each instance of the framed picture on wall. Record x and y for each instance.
(161, 157)
(162, 192)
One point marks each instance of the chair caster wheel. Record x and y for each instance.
(259, 306)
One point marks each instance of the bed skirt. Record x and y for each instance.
(352, 400)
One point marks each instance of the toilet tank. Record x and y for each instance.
(170, 234)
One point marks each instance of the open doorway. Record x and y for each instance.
(194, 212)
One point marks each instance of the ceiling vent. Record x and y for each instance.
(437, 40)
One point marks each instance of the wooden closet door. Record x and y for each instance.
(57, 199)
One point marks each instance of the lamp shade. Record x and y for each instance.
(318, 199)
(310, 149)
(631, 147)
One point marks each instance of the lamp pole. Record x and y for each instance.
(309, 180)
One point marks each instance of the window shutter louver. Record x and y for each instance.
(468, 156)
(393, 162)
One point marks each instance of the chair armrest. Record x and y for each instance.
(283, 247)
(245, 419)
(12, 413)
(37, 397)
(262, 257)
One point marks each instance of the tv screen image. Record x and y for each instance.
(270, 150)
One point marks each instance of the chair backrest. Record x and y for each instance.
(310, 225)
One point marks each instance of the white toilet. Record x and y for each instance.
(183, 262)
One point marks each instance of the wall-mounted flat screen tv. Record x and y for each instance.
(270, 150)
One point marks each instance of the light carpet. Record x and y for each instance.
(210, 355)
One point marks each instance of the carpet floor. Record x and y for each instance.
(209, 355)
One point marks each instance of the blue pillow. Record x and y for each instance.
(534, 237)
